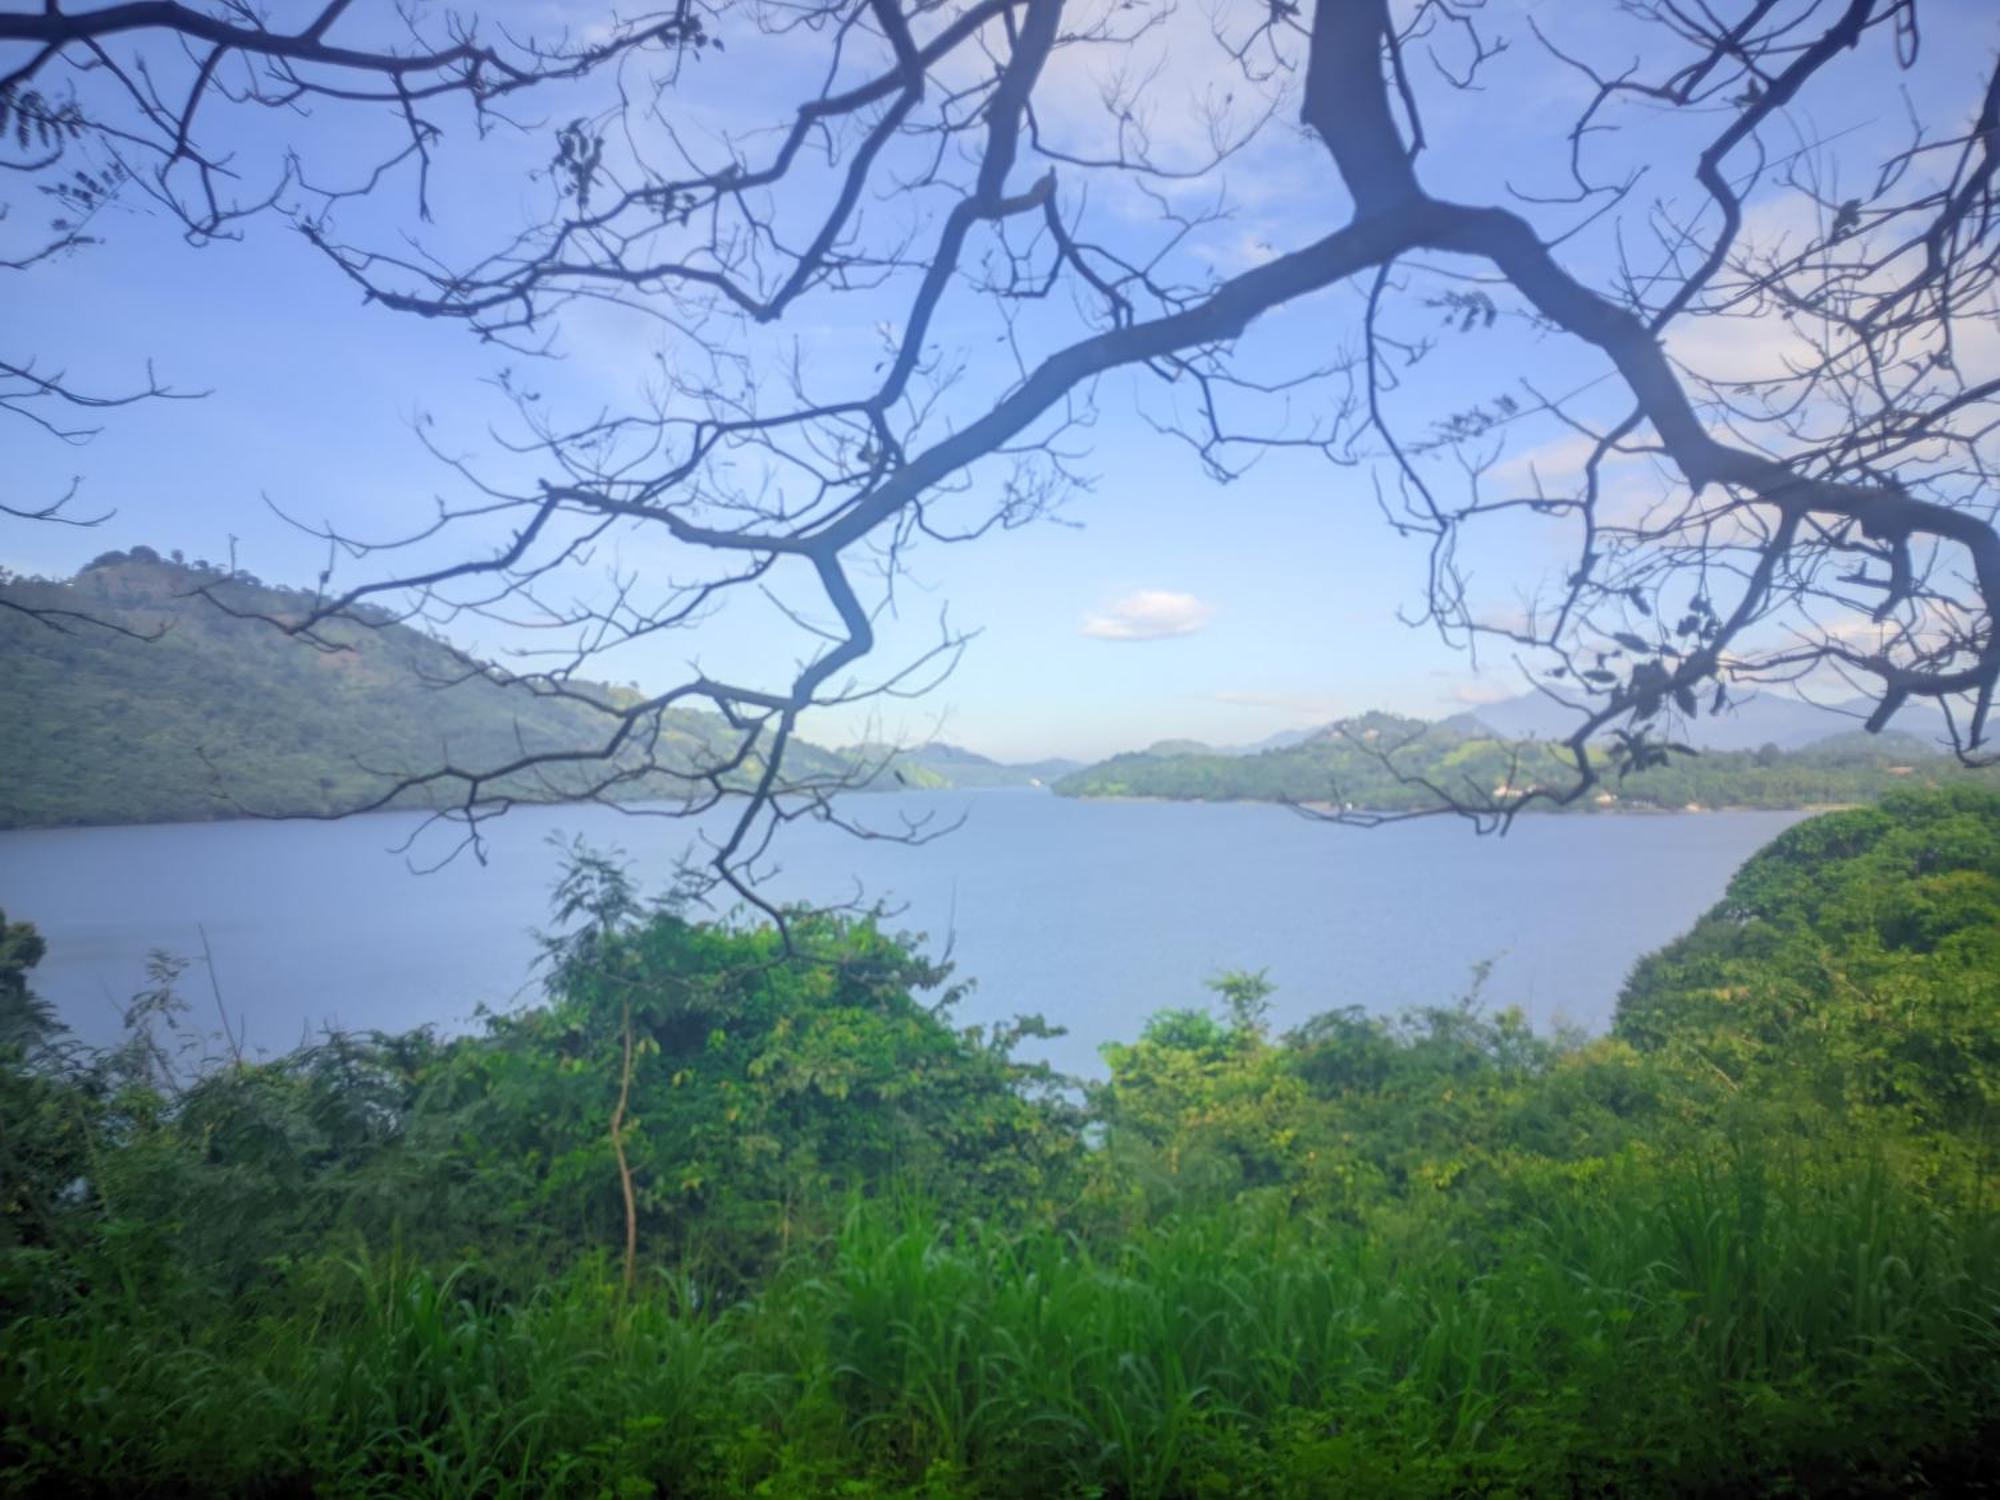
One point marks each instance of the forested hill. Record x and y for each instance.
(1859, 952)
(1345, 764)
(218, 716)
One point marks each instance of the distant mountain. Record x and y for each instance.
(1284, 739)
(938, 767)
(219, 715)
(1749, 723)
(938, 753)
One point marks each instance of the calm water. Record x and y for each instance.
(1093, 913)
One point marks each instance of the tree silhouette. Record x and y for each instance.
(1018, 198)
(119, 101)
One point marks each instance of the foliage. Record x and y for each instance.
(765, 1088)
(24, 1019)
(1745, 1244)
(1854, 963)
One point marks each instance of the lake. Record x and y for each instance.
(1093, 913)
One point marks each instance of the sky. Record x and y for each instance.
(1158, 603)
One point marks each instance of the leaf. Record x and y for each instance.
(1631, 642)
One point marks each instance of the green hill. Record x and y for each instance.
(1857, 957)
(1386, 763)
(219, 716)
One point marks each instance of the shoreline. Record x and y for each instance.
(1808, 809)
(1540, 810)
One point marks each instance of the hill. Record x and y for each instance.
(1345, 764)
(220, 716)
(1856, 957)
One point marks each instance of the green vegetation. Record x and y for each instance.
(1859, 955)
(1381, 763)
(718, 1221)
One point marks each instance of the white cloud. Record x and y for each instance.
(1149, 615)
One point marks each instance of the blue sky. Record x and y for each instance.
(1164, 605)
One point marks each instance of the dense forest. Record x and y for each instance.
(718, 1218)
(1387, 763)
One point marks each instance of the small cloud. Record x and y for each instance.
(1149, 615)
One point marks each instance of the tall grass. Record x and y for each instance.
(1687, 1332)
(1728, 1325)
